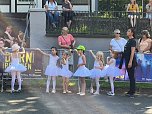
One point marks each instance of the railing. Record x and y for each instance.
(99, 24)
(36, 64)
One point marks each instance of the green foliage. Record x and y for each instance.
(117, 5)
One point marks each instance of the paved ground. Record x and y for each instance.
(36, 101)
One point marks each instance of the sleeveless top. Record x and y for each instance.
(15, 60)
(53, 60)
(113, 64)
(96, 64)
(80, 61)
(133, 8)
(65, 66)
(144, 44)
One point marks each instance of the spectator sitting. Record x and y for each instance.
(7, 37)
(132, 9)
(66, 41)
(52, 14)
(144, 43)
(149, 12)
(21, 39)
(67, 12)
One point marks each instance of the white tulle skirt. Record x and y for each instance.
(16, 67)
(111, 71)
(52, 70)
(96, 73)
(65, 72)
(82, 71)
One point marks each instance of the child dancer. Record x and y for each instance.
(96, 71)
(15, 68)
(52, 71)
(65, 72)
(112, 71)
(82, 71)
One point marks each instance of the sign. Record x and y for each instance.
(32, 60)
(143, 71)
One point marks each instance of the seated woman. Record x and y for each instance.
(67, 12)
(132, 9)
(53, 15)
(144, 43)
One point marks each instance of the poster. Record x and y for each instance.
(143, 71)
(32, 60)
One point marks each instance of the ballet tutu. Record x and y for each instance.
(82, 71)
(96, 73)
(52, 70)
(111, 71)
(65, 73)
(16, 67)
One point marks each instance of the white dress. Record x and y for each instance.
(15, 65)
(64, 71)
(52, 69)
(96, 73)
(82, 71)
(111, 70)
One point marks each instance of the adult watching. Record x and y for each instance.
(144, 43)
(66, 41)
(130, 60)
(52, 14)
(117, 43)
(67, 12)
(133, 9)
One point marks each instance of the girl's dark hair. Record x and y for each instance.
(133, 31)
(55, 50)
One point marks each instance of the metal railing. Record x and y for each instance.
(99, 24)
(143, 72)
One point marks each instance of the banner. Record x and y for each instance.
(143, 71)
(32, 60)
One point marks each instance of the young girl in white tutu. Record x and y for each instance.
(52, 70)
(65, 72)
(15, 68)
(96, 71)
(82, 71)
(112, 71)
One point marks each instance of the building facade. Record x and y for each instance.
(22, 6)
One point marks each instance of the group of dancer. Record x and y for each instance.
(59, 66)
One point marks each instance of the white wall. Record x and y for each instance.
(13, 6)
(4, 8)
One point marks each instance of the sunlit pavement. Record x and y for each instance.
(36, 101)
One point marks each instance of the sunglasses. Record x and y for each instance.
(117, 33)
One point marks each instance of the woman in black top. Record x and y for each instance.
(67, 12)
(130, 60)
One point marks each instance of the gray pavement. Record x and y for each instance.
(36, 101)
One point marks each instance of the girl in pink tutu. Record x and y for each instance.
(52, 70)
(111, 71)
(15, 68)
(65, 72)
(97, 70)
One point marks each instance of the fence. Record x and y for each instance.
(36, 64)
(99, 24)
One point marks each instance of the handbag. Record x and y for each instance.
(71, 46)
